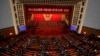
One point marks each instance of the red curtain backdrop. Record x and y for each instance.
(56, 17)
(40, 17)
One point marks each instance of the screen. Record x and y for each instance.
(22, 28)
(73, 27)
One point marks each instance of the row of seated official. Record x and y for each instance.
(46, 24)
(92, 40)
(26, 45)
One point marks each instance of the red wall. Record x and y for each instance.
(56, 14)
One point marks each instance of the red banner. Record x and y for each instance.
(48, 9)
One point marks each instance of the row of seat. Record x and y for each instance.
(55, 46)
(81, 50)
(90, 41)
(62, 51)
(8, 49)
(45, 24)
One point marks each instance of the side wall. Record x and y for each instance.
(5, 14)
(92, 17)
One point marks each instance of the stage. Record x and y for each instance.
(48, 28)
